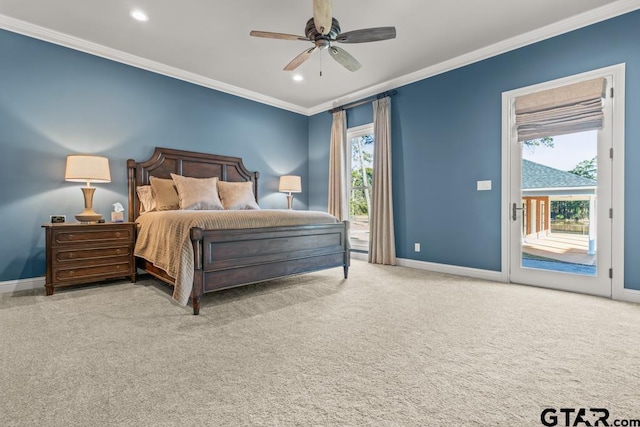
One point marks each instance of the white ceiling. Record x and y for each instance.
(207, 41)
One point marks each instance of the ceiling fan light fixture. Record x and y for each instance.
(139, 15)
(297, 78)
(323, 30)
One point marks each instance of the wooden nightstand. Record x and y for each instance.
(86, 253)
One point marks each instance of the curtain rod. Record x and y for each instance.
(363, 101)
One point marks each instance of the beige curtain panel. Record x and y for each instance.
(382, 247)
(559, 111)
(338, 198)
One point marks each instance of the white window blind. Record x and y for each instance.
(567, 109)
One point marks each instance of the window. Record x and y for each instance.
(360, 143)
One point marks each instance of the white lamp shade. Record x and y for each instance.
(290, 183)
(87, 168)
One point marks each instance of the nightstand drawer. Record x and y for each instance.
(92, 235)
(94, 272)
(62, 255)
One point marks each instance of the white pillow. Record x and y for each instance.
(237, 195)
(197, 193)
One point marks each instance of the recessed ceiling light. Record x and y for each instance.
(298, 78)
(139, 15)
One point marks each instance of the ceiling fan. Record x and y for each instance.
(322, 30)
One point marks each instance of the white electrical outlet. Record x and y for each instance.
(417, 247)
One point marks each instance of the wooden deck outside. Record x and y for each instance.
(563, 247)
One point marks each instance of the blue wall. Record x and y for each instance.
(56, 101)
(447, 135)
(446, 130)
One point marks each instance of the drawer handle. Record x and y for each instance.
(118, 251)
(71, 273)
(117, 267)
(71, 255)
(70, 236)
(117, 234)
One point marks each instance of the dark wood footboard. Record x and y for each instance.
(229, 258)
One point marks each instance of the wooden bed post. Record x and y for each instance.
(197, 290)
(347, 249)
(131, 185)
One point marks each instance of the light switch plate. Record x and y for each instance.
(484, 185)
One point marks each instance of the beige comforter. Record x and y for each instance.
(163, 237)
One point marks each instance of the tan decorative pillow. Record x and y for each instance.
(197, 193)
(146, 199)
(237, 195)
(165, 194)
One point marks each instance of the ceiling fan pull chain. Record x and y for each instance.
(320, 64)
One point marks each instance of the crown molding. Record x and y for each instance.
(594, 16)
(62, 39)
(611, 10)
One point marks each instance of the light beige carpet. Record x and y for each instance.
(390, 346)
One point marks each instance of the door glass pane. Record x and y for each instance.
(559, 181)
(360, 200)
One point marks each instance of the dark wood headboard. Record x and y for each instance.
(166, 161)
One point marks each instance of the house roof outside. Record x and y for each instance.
(538, 176)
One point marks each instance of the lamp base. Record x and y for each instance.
(85, 216)
(88, 214)
(289, 201)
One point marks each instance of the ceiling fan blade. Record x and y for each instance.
(298, 60)
(344, 58)
(280, 36)
(322, 15)
(367, 35)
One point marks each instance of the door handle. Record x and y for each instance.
(515, 208)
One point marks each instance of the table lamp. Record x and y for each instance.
(290, 184)
(87, 168)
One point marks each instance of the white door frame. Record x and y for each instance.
(356, 132)
(617, 233)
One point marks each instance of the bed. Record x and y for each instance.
(221, 258)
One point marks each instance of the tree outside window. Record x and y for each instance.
(361, 161)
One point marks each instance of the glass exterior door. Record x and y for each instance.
(360, 143)
(562, 189)
(560, 193)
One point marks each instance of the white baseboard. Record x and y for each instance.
(476, 273)
(442, 268)
(21, 284)
(628, 295)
